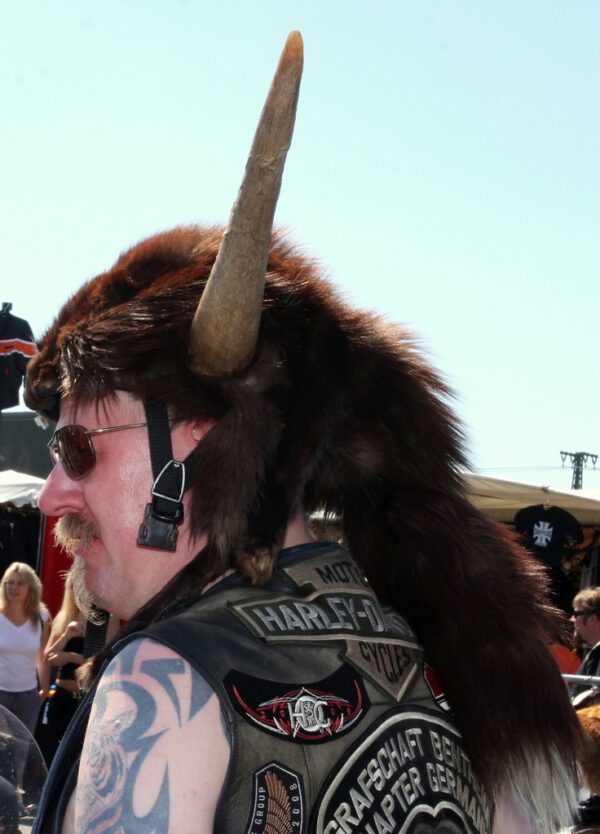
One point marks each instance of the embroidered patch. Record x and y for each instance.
(379, 643)
(278, 801)
(391, 666)
(408, 775)
(313, 712)
(325, 570)
(431, 679)
(320, 617)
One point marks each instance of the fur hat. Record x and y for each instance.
(338, 411)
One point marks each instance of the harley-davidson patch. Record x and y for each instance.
(391, 666)
(311, 712)
(278, 803)
(328, 568)
(347, 614)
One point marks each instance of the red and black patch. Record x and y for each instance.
(435, 687)
(311, 712)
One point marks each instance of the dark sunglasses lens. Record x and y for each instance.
(76, 451)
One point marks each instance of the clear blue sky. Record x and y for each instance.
(444, 169)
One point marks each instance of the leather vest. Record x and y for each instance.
(337, 724)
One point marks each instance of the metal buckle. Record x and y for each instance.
(175, 464)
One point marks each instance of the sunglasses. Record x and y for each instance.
(72, 446)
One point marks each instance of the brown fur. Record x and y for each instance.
(589, 718)
(339, 410)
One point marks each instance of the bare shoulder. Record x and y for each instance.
(156, 751)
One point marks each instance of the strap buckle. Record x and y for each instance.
(172, 472)
(161, 517)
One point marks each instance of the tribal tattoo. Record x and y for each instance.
(124, 782)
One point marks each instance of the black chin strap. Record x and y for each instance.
(95, 633)
(171, 479)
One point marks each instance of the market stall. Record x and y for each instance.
(19, 518)
(502, 499)
(19, 489)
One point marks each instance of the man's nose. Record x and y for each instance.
(60, 494)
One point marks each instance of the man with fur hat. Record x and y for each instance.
(265, 682)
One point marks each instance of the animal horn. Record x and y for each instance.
(225, 325)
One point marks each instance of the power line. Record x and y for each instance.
(519, 468)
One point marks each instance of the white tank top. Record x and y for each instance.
(19, 646)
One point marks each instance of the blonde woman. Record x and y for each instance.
(24, 630)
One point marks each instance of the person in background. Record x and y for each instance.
(24, 630)
(64, 652)
(586, 622)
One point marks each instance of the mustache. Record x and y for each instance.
(72, 530)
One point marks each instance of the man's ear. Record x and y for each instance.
(186, 436)
(199, 429)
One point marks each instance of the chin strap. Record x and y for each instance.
(171, 479)
(95, 633)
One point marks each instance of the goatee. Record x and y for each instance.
(84, 598)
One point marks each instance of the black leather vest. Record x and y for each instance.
(337, 723)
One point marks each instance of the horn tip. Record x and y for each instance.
(294, 45)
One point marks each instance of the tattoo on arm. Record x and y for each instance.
(120, 740)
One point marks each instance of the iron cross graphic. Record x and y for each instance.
(542, 533)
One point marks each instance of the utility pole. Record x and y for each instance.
(579, 460)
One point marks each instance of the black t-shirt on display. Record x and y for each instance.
(547, 531)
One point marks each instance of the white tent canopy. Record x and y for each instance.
(502, 499)
(18, 488)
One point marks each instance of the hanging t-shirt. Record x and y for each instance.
(17, 346)
(547, 531)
